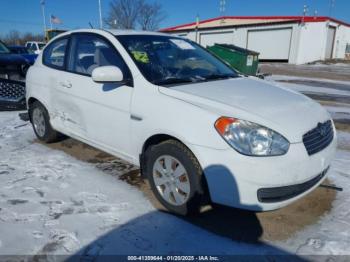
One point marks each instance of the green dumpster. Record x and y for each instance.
(243, 60)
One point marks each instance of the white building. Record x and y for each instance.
(293, 39)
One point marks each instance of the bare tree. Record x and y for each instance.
(134, 14)
(150, 17)
(16, 38)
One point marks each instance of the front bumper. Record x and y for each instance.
(235, 180)
(12, 95)
(278, 194)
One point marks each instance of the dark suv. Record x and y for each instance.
(13, 69)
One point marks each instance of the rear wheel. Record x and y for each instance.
(41, 123)
(175, 177)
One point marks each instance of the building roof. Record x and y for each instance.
(226, 21)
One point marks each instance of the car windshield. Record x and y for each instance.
(41, 46)
(166, 60)
(4, 49)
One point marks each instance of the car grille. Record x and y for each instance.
(318, 138)
(11, 90)
(278, 194)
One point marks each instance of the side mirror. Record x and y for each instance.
(107, 74)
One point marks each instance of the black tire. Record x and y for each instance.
(49, 135)
(193, 169)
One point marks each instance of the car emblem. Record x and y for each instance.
(322, 129)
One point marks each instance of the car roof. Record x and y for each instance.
(115, 32)
(33, 42)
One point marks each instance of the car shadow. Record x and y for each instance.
(110, 86)
(158, 233)
(162, 233)
(235, 224)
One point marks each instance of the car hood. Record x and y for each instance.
(30, 57)
(12, 59)
(285, 111)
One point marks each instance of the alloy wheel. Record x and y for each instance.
(171, 180)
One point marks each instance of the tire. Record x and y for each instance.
(40, 120)
(180, 194)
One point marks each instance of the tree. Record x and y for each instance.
(135, 14)
(151, 15)
(16, 38)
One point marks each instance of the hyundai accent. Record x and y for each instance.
(198, 130)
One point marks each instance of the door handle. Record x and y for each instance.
(66, 85)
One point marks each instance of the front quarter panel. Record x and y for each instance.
(155, 113)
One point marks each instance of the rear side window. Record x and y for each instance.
(89, 51)
(54, 54)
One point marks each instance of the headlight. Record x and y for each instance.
(251, 139)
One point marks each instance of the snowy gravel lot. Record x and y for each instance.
(52, 203)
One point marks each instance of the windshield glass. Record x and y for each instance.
(4, 49)
(41, 46)
(166, 60)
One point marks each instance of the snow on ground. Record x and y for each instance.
(331, 235)
(335, 88)
(339, 112)
(312, 89)
(54, 204)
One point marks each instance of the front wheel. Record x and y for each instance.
(175, 177)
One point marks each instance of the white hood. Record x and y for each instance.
(287, 112)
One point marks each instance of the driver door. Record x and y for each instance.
(97, 112)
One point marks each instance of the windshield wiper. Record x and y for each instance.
(172, 80)
(219, 76)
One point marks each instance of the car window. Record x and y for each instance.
(166, 60)
(54, 54)
(41, 46)
(32, 47)
(4, 49)
(91, 51)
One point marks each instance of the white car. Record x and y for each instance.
(198, 130)
(35, 47)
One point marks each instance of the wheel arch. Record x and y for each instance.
(31, 100)
(159, 138)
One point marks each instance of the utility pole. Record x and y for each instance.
(100, 12)
(222, 10)
(197, 26)
(331, 7)
(42, 3)
(305, 12)
(222, 7)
